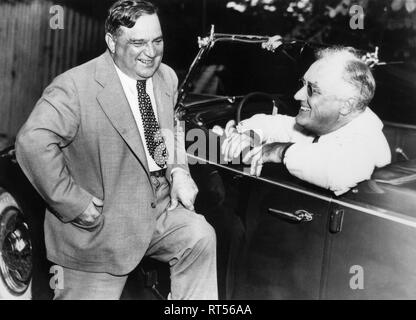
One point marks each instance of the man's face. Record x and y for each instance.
(323, 97)
(138, 51)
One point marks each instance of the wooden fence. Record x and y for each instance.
(33, 53)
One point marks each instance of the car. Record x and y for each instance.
(278, 237)
(300, 241)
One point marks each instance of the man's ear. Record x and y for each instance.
(348, 106)
(111, 42)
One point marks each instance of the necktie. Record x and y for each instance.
(153, 136)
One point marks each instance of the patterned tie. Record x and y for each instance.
(154, 139)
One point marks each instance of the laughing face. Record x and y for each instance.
(323, 97)
(138, 51)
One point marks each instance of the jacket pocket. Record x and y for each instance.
(99, 222)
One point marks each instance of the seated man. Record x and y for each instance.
(334, 142)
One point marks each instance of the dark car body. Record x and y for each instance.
(301, 241)
(278, 237)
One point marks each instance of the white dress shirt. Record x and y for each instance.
(339, 160)
(130, 90)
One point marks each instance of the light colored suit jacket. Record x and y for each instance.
(80, 141)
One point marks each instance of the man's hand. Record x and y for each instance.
(271, 152)
(184, 190)
(235, 142)
(91, 214)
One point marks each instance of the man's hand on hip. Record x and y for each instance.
(91, 214)
(184, 190)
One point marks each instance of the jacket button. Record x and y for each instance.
(153, 205)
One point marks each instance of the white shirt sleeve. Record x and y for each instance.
(338, 161)
(337, 166)
(272, 128)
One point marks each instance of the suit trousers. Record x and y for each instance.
(182, 238)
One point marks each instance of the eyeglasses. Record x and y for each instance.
(311, 89)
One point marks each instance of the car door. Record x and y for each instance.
(372, 255)
(287, 231)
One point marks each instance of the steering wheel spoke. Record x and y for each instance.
(277, 103)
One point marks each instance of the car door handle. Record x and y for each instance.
(297, 217)
(335, 220)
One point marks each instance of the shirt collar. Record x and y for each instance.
(131, 83)
(365, 121)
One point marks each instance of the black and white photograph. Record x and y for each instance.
(208, 150)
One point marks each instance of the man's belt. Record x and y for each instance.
(158, 173)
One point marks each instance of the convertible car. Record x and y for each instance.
(278, 237)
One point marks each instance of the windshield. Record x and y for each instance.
(234, 68)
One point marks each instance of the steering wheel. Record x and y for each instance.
(276, 103)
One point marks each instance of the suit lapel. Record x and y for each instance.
(164, 103)
(115, 105)
(163, 99)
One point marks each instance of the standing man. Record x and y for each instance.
(97, 148)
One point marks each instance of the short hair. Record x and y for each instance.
(356, 72)
(125, 13)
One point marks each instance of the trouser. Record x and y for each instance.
(182, 238)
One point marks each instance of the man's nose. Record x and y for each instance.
(301, 95)
(150, 50)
